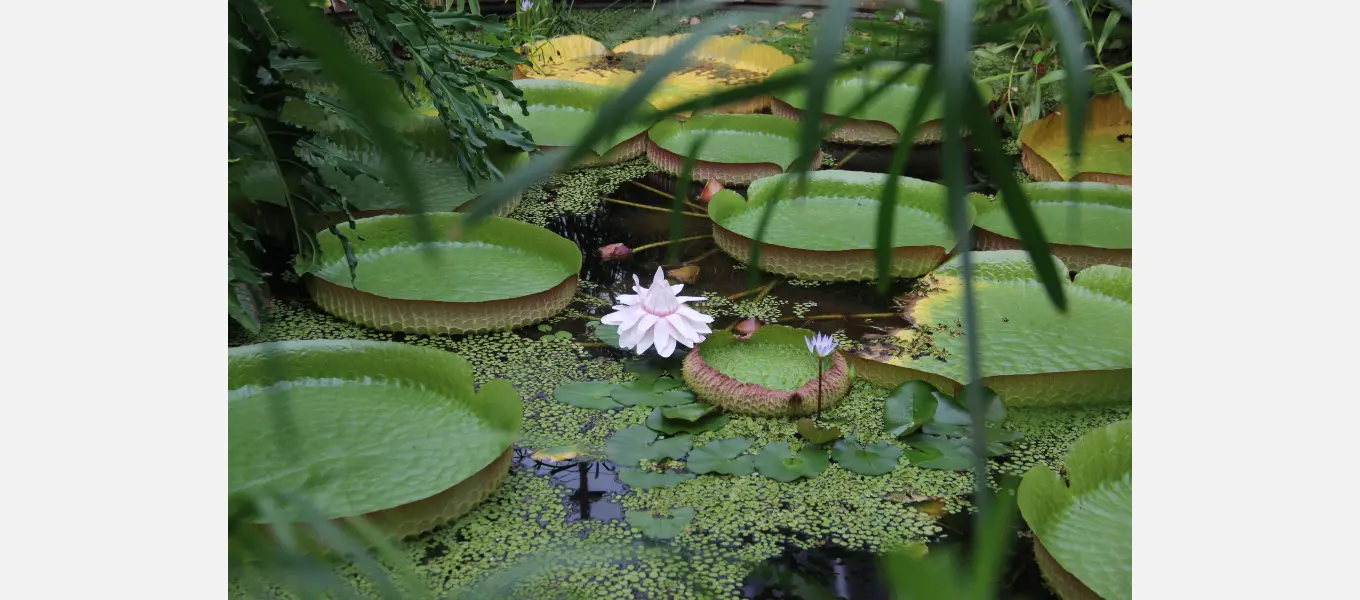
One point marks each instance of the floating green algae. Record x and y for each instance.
(578, 192)
(739, 521)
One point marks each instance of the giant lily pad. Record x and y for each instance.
(1086, 523)
(500, 274)
(392, 432)
(736, 149)
(879, 122)
(828, 233)
(716, 64)
(770, 374)
(1033, 353)
(1085, 223)
(560, 112)
(1107, 147)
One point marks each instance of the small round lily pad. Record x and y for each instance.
(722, 456)
(661, 528)
(879, 458)
(777, 462)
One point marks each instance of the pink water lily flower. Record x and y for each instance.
(656, 316)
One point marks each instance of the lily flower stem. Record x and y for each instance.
(653, 190)
(697, 259)
(847, 158)
(819, 388)
(660, 244)
(761, 290)
(655, 208)
(830, 317)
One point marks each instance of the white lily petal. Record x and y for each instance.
(684, 331)
(675, 289)
(664, 338)
(624, 317)
(694, 315)
(691, 298)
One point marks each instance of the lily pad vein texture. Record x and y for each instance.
(1033, 354)
(1086, 523)
(376, 424)
(456, 283)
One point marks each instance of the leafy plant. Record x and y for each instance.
(779, 463)
(723, 456)
(632, 445)
(879, 458)
(816, 434)
(661, 528)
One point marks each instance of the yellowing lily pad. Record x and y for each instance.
(1107, 148)
(718, 63)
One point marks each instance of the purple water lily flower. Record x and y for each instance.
(526, 5)
(820, 345)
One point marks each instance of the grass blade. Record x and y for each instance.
(1107, 30)
(830, 37)
(1078, 80)
(1013, 199)
(888, 203)
(1124, 89)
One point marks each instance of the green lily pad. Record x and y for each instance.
(838, 211)
(1086, 524)
(775, 357)
(908, 407)
(1036, 355)
(731, 139)
(934, 452)
(1114, 282)
(879, 458)
(765, 374)
(661, 528)
(635, 444)
(408, 285)
(609, 334)
(637, 393)
(949, 411)
(816, 434)
(713, 422)
(778, 463)
(686, 412)
(587, 394)
(646, 480)
(722, 456)
(1094, 215)
(560, 113)
(375, 425)
(890, 106)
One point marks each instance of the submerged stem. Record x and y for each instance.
(766, 288)
(649, 207)
(660, 244)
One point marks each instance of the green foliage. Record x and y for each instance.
(1086, 524)
(816, 434)
(777, 462)
(723, 456)
(630, 446)
(661, 528)
(878, 458)
(646, 480)
(659, 422)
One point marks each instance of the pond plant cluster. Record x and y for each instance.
(430, 374)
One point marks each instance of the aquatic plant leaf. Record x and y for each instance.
(722, 456)
(470, 266)
(949, 411)
(1078, 357)
(587, 394)
(891, 106)
(661, 528)
(646, 480)
(368, 425)
(935, 452)
(1112, 281)
(711, 422)
(775, 357)
(1107, 144)
(816, 434)
(777, 462)
(561, 111)
(637, 393)
(908, 407)
(666, 384)
(1086, 524)
(838, 211)
(731, 139)
(686, 412)
(632, 445)
(879, 458)
(1089, 214)
(609, 334)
